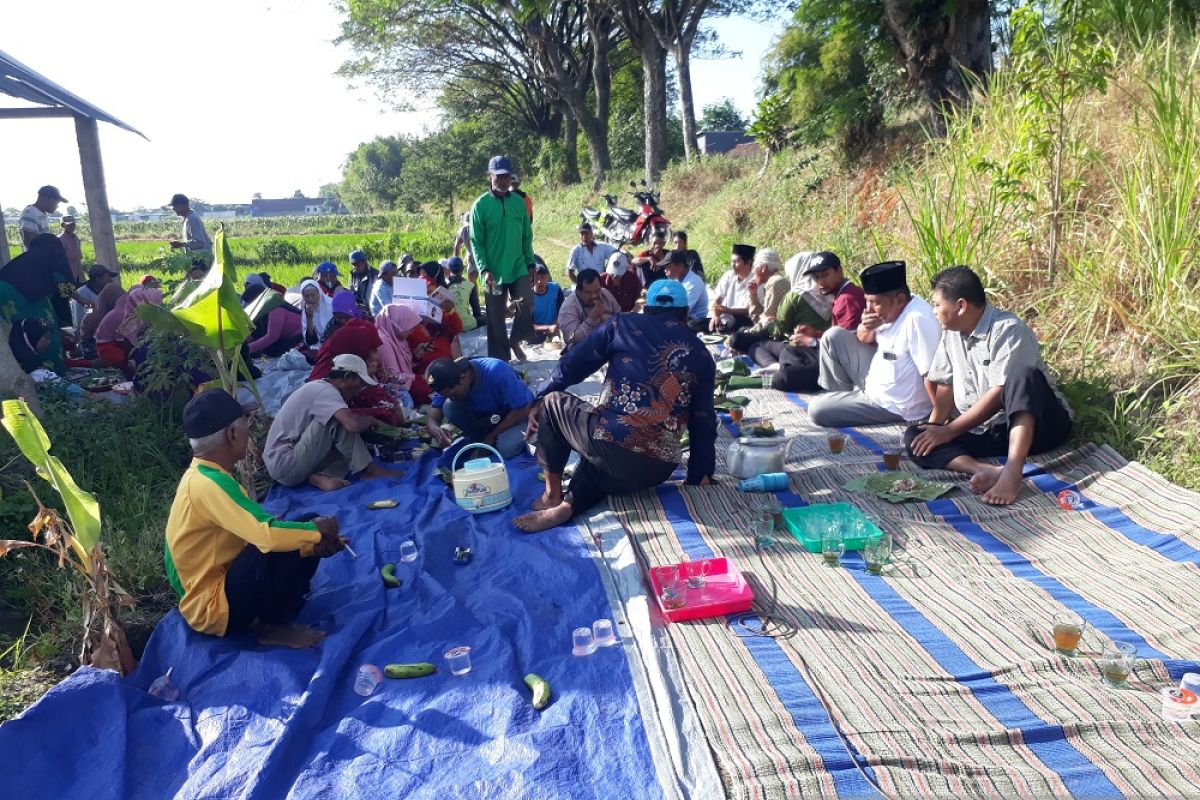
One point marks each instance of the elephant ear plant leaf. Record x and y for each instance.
(75, 541)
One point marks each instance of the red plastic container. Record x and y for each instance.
(725, 591)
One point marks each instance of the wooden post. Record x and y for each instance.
(99, 215)
(4, 256)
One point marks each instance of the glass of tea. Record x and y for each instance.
(735, 415)
(833, 547)
(891, 458)
(877, 553)
(1116, 662)
(672, 588)
(1068, 630)
(837, 443)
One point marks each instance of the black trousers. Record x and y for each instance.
(269, 587)
(741, 341)
(799, 367)
(1026, 390)
(739, 321)
(566, 423)
(698, 325)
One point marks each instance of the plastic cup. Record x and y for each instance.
(582, 642)
(833, 547)
(837, 443)
(768, 380)
(408, 551)
(458, 659)
(697, 573)
(602, 633)
(735, 415)
(891, 458)
(1116, 663)
(1068, 630)
(367, 680)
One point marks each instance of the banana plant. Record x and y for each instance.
(75, 541)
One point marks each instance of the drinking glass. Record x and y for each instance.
(877, 553)
(762, 526)
(1116, 662)
(1068, 630)
(891, 458)
(583, 642)
(697, 573)
(408, 551)
(672, 589)
(602, 633)
(768, 380)
(735, 415)
(833, 547)
(837, 443)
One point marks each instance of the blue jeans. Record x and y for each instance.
(476, 426)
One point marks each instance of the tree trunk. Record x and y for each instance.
(654, 105)
(601, 38)
(942, 45)
(683, 66)
(570, 173)
(14, 381)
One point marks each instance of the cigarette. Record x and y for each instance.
(350, 550)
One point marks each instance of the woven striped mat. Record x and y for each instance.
(939, 677)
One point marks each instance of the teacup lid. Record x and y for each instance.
(476, 464)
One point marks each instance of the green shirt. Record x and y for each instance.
(501, 236)
(794, 310)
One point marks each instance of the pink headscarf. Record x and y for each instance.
(394, 323)
(110, 326)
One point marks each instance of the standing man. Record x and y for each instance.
(659, 384)
(516, 189)
(588, 307)
(194, 238)
(876, 375)
(992, 392)
(697, 293)
(502, 240)
(588, 254)
(362, 278)
(731, 298)
(35, 219)
(462, 242)
(72, 247)
(680, 243)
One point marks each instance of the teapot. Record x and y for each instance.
(754, 455)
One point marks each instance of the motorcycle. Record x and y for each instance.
(620, 226)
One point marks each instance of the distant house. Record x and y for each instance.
(720, 141)
(295, 207)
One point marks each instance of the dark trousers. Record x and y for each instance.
(1026, 390)
(741, 341)
(269, 587)
(519, 291)
(566, 423)
(799, 367)
(739, 321)
(698, 325)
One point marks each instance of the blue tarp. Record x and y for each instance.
(257, 722)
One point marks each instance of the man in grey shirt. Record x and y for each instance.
(992, 393)
(195, 238)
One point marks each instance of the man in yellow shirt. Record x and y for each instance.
(234, 566)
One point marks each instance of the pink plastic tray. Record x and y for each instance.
(725, 592)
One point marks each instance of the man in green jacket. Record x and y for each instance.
(502, 240)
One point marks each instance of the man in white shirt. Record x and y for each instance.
(731, 299)
(588, 254)
(876, 376)
(676, 264)
(195, 238)
(35, 218)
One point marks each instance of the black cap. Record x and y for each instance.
(585, 226)
(210, 411)
(541, 267)
(745, 251)
(99, 271)
(178, 200)
(51, 192)
(886, 276)
(445, 372)
(673, 257)
(819, 262)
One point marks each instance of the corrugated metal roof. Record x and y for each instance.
(18, 80)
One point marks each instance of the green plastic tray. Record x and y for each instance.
(808, 523)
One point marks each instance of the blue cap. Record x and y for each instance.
(667, 293)
(327, 266)
(500, 165)
(357, 255)
(454, 264)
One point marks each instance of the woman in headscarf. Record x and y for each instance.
(316, 310)
(345, 308)
(436, 339)
(38, 284)
(120, 329)
(396, 324)
(276, 322)
(29, 339)
(360, 338)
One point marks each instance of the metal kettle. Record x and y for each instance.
(755, 455)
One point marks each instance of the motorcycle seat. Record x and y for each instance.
(591, 213)
(623, 214)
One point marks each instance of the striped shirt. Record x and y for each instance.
(34, 221)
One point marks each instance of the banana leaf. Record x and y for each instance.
(732, 367)
(82, 508)
(213, 311)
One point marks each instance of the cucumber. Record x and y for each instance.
(418, 670)
(388, 573)
(378, 504)
(541, 690)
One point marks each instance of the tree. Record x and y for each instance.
(372, 175)
(297, 194)
(645, 26)
(330, 191)
(944, 46)
(722, 116)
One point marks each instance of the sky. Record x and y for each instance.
(233, 96)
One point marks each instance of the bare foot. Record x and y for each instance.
(518, 352)
(1006, 488)
(985, 478)
(542, 520)
(376, 471)
(327, 483)
(290, 635)
(547, 500)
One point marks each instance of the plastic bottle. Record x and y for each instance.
(1069, 500)
(767, 482)
(367, 680)
(164, 688)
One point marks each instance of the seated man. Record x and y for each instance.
(588, 307)
(679, 240)
(876, 374)
(801, 321)
(620, 281)
(731, 297)
(315, 437)
(484, 398)
(383, 288)
(646, 263)
(588, 254)
(992, 393)
(659, 383)
(547, 300)
(677, 268)
(233, 565)
(768, 288)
